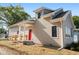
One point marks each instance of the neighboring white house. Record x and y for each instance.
(76, 35)
(3, 25)
(53, 27)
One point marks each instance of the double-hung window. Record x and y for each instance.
(54, 31)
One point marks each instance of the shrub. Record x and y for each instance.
(73, 46)
(28, 43)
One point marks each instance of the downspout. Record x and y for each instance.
(62, 38)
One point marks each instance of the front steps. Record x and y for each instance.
(28, 42)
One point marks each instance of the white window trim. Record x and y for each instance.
(57, 33)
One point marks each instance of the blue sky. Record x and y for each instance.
(30, 7)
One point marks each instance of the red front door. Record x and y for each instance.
(30, 34)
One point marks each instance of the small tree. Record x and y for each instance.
(2, 31)
(13, 14)
(76, 21)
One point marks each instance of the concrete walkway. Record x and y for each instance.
(7, 51)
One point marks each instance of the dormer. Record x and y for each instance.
(47, 13)
(42, 11)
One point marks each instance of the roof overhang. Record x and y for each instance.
(47, 15)
(25, 23)
(42, 8)
(56, 20)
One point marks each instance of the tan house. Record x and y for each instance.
(53, 27)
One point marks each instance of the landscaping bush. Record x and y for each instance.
(28, 43)
(73, 46)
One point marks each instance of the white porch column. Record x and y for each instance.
(24, 33)
(62, 35)
(19, 33)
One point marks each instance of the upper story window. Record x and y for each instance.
(54, 31)
(39, 15)
(68, 31)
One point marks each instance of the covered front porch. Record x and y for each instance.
(21, 31)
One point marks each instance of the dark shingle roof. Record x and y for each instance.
(61, 14)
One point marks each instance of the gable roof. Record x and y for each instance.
(58, 16)
(42, 8)
(57, 13)
(23, 22)
(69, 12)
